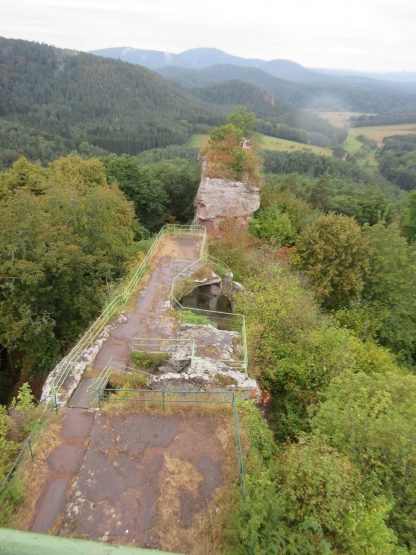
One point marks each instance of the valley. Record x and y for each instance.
(207, 304)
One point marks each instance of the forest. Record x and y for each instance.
(316, 91)
(327, 267)
(397, 159)
(82, 232)
(55, 102)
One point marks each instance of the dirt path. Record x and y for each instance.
(143, 319)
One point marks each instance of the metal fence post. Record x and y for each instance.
(30, 449)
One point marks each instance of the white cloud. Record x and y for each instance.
(361, 34)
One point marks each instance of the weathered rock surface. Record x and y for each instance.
(211, 342)
(77, 369)
(219, 199)
(207, 375)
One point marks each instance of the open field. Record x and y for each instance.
(379, 132)
(366, 157)
(269, 143)
(352, 145)
(338, 119)
(283, 145)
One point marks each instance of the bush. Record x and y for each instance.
(323, 506)
(143, 359)
(371, 419)
(333, 254)
(136, 380)
(275, 226)
(189, 317)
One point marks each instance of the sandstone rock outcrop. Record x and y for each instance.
(219, 200)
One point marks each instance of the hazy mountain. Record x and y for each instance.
(152, 59)
(199, 58)
(286, 91)
(275, 118)
(396, 77)
(55, 101)
(288, 81)
(355, 93)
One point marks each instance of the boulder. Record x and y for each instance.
(219, 200)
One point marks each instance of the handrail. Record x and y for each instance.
(162, 345)
(118, 300)
(90, 335)
(212, 313)
(99, 384)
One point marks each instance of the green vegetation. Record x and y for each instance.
(243, 119)
(66, 236)
(226, 157)
(305, 497)
(311, 164)
(332, 253)
(198, 141)
(275, 226)
(328, 266)
(331, 338)
(162, 192)
(55, 101)
(16, 423)
(14, 426)
(143, 359)
(135, 380)
(189, 317)
(269, 143)
(274, 117)
(284, 145)
(370, 418)
(378, 133)
(352, 145)
(397, 160)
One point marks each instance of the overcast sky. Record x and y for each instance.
(375, 35)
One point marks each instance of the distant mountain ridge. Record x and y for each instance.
(200, 58)
(323, 90)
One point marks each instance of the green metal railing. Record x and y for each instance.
(101, 381)
(185, 347)
(224, 320)
(120, 299)
(16, 542)
(29, 446)
(162, 397)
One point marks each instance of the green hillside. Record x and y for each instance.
(53, 101)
